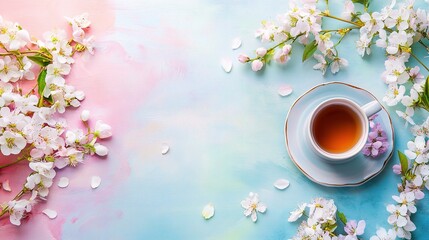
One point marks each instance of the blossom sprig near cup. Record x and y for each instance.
(396, 28)
(414, 172)
(377, 142)
(32, 127)
(322, 223)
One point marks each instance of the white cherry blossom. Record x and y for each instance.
(394, 94)
(252, 205)
(382, 234)
(398, 215)
(406, 199)
(296, 214)
(11, 143)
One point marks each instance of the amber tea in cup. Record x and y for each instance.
(337, 128)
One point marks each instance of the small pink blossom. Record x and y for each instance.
(397, 169)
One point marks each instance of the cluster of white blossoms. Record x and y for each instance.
(303, 22)
(397, 28)
(31, 123)
(321, 222)
(414, 171)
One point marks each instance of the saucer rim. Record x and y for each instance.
(335, 184)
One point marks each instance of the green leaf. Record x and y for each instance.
(41, 82)
(309, 50)
(40, 59)
(426, 89)
(342, 217)
(404, 162)
(363, 2)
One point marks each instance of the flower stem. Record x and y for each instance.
(12, 163)
(17, 53)
(341, 19)
(338, 30)
(28, 94)
(424, 45)
(418, 60)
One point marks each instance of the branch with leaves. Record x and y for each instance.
(31, 123)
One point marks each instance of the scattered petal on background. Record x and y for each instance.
(165, 149)
(6, 186)
(50, 213)
(281, 184)
(236, 43)
(95, 182)
(226, 64)
(285, 90)
(208, 211)
(63, 183)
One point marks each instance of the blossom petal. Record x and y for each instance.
(6, 186)
(208, 211)
(360, 227)
(50, 213)
(261, 208)
(281, 184)
(226, 64)
(410, 226)
(165, 148)
(236, 43)
(285, 90)
(254, 216)
(63, 183)
(248, 211)
(391, 219)
(401, 222)
(95, 182)
(397, 199)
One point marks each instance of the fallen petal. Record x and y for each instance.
(236, 43)
(281, 184)
(165, 149)
(63, 183)
(50, 213)
(226, 64)
(285, 90)
(95, 182)
(6, 186)
(208, 211)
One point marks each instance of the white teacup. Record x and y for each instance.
(338, 128)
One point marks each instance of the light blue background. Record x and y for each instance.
(226, 130)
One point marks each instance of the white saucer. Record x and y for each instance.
(352, 173)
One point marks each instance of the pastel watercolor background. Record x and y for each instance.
(156, 78)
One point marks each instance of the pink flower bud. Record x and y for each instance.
(397, 169)
(261, 52)
(257, 65)
(84, 116)
(243, 58)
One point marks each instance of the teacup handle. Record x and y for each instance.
(371, 108)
